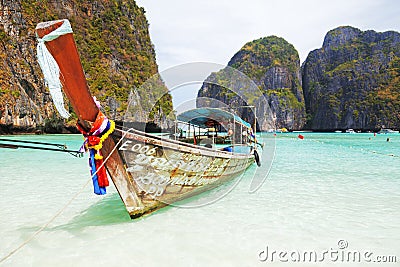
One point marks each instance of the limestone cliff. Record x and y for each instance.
(115, 48)
(274, 66)
(353, 81)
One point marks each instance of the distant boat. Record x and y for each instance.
(387, 131)
(148, 171)
(338, 131)
(282, 130)
(350, 131)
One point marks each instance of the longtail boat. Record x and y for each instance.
(149, 171)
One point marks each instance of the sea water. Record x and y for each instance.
(325, 197)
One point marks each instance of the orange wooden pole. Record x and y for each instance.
(74, 83)
(72, 77)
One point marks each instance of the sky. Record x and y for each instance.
(187, 31)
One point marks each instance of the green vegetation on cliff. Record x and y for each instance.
(114, 45)
(353, 81)
(264, 53)
(274, 66)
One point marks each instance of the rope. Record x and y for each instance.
(344, 146)
(358, 149)
(23, 244)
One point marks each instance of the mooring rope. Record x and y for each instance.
(358, 149)
(42, 228)
(348, 147)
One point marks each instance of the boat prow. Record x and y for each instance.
(149, 171)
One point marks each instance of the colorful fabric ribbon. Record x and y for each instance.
(101, 129)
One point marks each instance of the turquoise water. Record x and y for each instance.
(325, 188)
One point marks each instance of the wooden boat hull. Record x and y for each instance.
(149, 172)
(164, 171)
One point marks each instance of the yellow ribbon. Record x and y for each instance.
(103, 138)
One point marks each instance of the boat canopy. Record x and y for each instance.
(208, 117)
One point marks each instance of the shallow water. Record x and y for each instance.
(320, 190)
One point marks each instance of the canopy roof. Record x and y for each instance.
(208, 117)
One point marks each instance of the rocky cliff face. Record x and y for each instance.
(353, 81)
(114, 44)
(274, 66)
